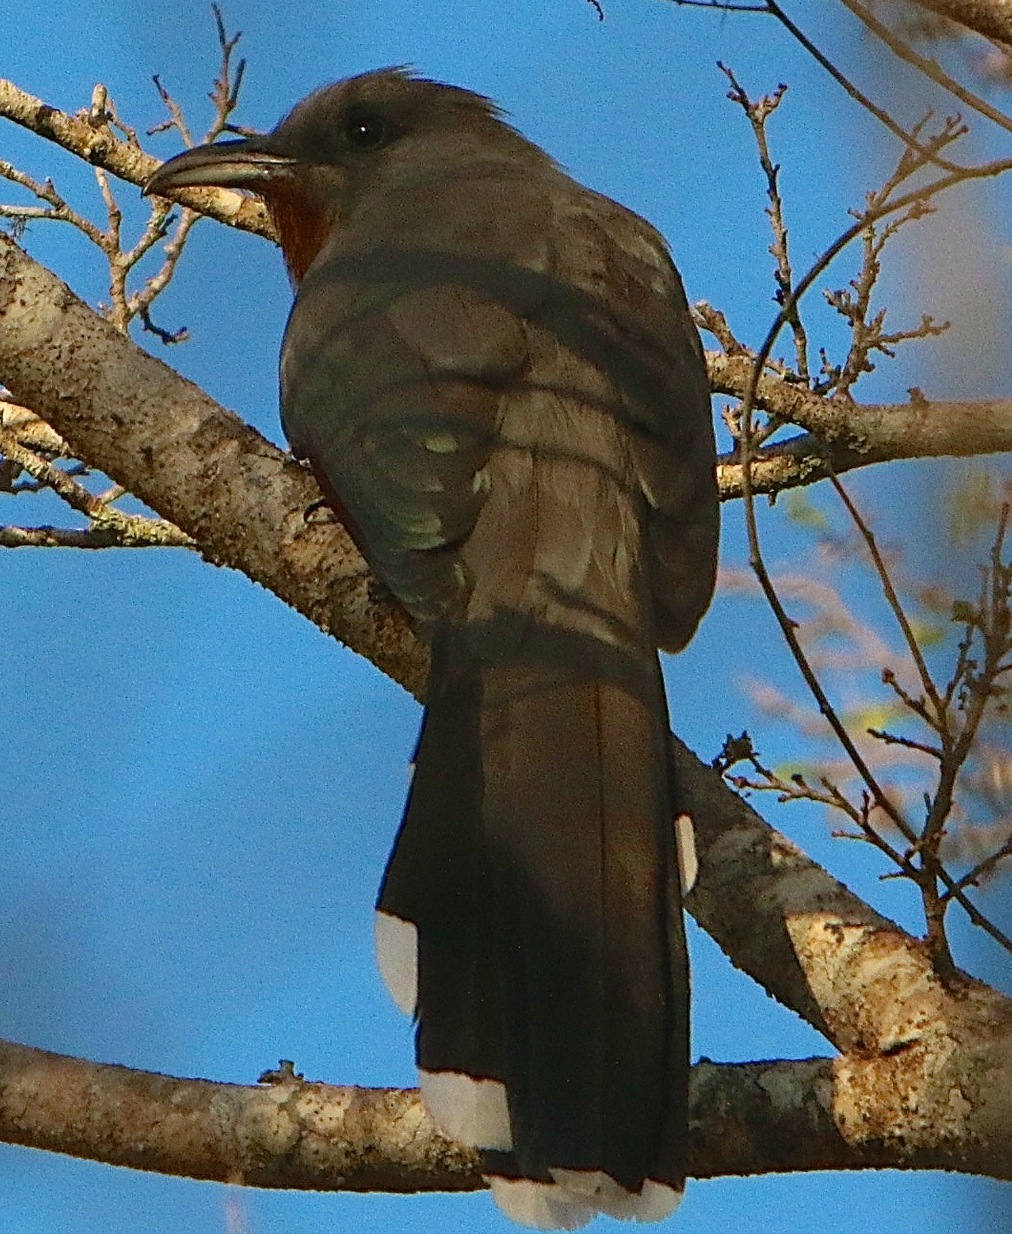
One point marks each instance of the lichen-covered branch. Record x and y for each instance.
(107, 525)
(287, 1134)
(847, 434)
(745, 1118)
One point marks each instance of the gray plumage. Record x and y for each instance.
(494, 374)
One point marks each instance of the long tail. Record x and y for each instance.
(530, 918)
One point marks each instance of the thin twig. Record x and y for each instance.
(161, 535)
(758, 113)
(863, 100)
(892, 599)
(127, 528)
(909, 163)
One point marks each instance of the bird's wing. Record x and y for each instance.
(406, 360)
(633, 321)
(391, 375)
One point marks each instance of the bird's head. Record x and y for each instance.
(347, 147)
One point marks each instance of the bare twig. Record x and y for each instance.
(893, 600)
(758, 113)
(106, 522)
(89, 538)
(909, 140)
(90, 136)
(854, 305)
(881, 205)
(56, 208)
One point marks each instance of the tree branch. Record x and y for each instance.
(849, 435)
(288, 1134)
(930, 68)
(744, 1118)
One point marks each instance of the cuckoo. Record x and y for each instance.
(493, 373)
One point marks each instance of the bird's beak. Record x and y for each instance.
(226, 164)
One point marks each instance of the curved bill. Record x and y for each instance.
(225, 164)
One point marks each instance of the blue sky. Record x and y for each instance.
(200, 789)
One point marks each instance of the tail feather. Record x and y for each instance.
(537, 861)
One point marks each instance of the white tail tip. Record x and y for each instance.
(469, 1110)
(577, 1196)
(397, 957)
(685, 843)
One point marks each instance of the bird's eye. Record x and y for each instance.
(368, 131)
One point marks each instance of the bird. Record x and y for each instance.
(493, 373)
